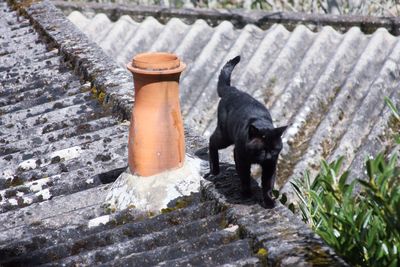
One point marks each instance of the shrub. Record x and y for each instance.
(360, 219)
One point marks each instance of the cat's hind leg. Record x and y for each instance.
(217, 141)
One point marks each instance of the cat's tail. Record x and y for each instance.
(224, 80)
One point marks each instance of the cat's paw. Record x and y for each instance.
(214, 171)
(246, 193)
(269, 203)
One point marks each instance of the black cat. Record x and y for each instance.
(246, 123)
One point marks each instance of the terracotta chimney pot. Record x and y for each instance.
(156, 137)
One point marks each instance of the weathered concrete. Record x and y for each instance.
(154, 193)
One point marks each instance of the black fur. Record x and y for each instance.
(246, 123)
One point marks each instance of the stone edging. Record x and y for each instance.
(285, 239)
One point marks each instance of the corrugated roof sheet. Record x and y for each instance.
(328, 86)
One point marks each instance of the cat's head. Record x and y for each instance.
(264, 143)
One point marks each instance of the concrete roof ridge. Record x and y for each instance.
(293, 51)
(140, 39)
(222, 37)
(172, 34)
(199, 34)
(316, 57)
(246, 43)
(385, 84)
(98, 27)
(79, 19)
(121, 30)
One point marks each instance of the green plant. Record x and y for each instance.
(363, 228)
(395, 120)
(359, 218)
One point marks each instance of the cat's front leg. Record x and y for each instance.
(267, 182)
(214, 160)
(243, 170)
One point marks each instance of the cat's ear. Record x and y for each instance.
(253, 131)
(280, 130)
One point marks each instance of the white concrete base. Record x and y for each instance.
(153, 193)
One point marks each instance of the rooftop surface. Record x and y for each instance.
(64, 107)
(329, 86)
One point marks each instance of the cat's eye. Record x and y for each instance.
(263, 137)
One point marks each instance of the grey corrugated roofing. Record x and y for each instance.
(328, 86)
(61, 146)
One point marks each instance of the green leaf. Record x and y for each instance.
(330, 203)
(295, 186)
(306, 177)
(348, 191)
(393, 263)
(385, 249)
(337, 164)
(325, 167)
(327, 185)
(343, 180)
(370, 169)
(371, 236)
(393, 108)
(283, 199)
(329, 174)
(384, 184)
(316, 199)
(366, 184)
(275, 193)
(397, 139)
(299, 192)
(366, 219)
(393, 160)
(292, 207)
(305, 215)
